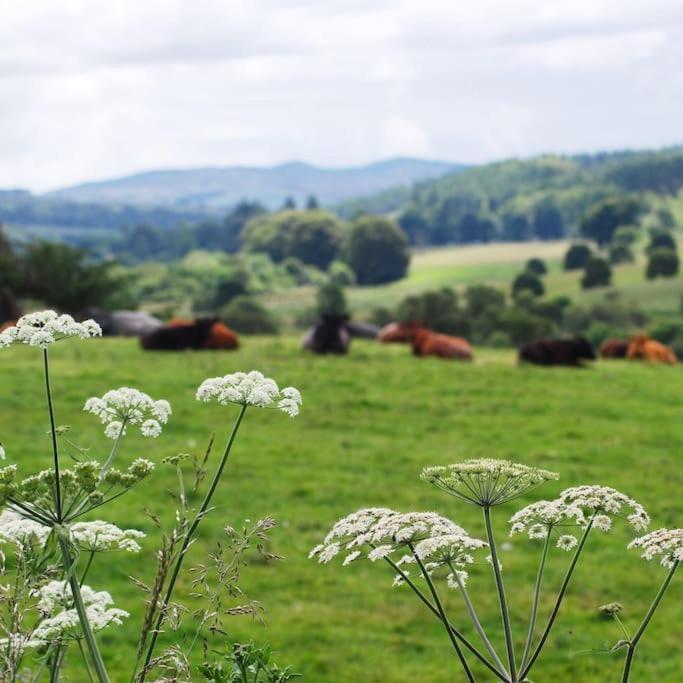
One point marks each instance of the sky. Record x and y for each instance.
(97, 89)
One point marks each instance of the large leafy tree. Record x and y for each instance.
(602, 220)
(377, 250)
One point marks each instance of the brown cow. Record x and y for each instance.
(614, 348)
(203, 333)
(645, 348)
(428, 343)
(222, 337)
(398, 332)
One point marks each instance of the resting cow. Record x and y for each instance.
(569, 352)
(614, 348)
(203, 333)
(428, 343)
(328, 336)
(402, 333)
(645, 348)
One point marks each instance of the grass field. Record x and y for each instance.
(495, 264)
(370, 422)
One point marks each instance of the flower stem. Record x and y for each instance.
(641, 629)
(53, 432)
(442, 614)
(501, 594)
(89, 636)
(534, 605)
(455, 631)
(186, 543)
(558, 601)
(475, 620)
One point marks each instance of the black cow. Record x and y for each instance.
(329, 335)
(569, 352)
(179, 338)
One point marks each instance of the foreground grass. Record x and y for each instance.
(370, 422)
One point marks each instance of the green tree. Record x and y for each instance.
(662, 262)
(330, 299)
(601, 221)
(620, 253)
(248, 316)
(577, 256)
(312, 203)
(548, 221)
(415, 226)
(536, 265)
(625, 235)
(661, 239)
(597, 273)
(377, 250)
(528, 282)
(438, 310)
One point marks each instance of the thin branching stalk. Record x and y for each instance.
(53, 433)
(641, 629)
(442, 614)
(502, 601)
(560, 596)
(114, 449)
(186, 543)
(423, 598)
(475, 620)
(534, 604)
(98, 663)
(84, 656)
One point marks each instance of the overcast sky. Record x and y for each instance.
(93, 89)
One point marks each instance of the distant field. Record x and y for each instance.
(495, 264)
(370, 422)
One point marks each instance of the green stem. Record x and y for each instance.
(558, 601)
(53, 432)
(186, 542)
(455, 631)
(442, 615)
(502, 601)
(475, 620)
(641, 629)
(89, 636)
(114, 449)
(87, 567)
(534, 605)
(85, 662)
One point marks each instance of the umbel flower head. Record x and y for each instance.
(487, 482)
(46, 327)
(602, 503)
(250, 389)
(121, 407)
(21, 532)
(540, 519)
(100, 536)
(666, 544)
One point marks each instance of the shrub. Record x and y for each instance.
(248, 316)
(377, 250)
(528, 282)
(330, 299)
(577, 256)
(598, 332)
(437, 310)
(536, 265)
(342, 274)
(620, 253)
(666, 331)
(480, 298)
(662, 262)
(597, 273)
(661, 239)
(499, 340)
(523, 326)
(626, 235)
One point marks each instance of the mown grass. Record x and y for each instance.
(370, 422)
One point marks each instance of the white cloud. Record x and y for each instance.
(91, 89)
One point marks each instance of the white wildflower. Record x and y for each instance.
(666, 544)
(351, 557)
(603, 501)
(489, 559)
(100, 536)
(124, 406)
(449, 549)
(485, 481)
(3, 455)
(567, 542)
(380, 552)
(250, 389)
(452, 581)
(46, 327)
(16, 529)
(540, 518)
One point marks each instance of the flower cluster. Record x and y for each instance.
(100, 536)
(602, 502)
(539, 519)
(250, 389)
(46, 327)
(124, 406)
(667, 544)
(487, 482)
(61, 619)
(377, 533)
(19, 531)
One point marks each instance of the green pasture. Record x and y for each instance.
(370, 422)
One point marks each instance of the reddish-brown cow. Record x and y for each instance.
(645, 348)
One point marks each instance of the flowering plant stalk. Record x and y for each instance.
(49, 606)
(444, 552)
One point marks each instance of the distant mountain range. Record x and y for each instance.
(215, 189)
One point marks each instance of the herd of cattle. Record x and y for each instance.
(333, 335)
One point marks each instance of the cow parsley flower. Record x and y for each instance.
(250, 389)
(604, 502)
(100, 536)
(124, 406)
(567, 542)
(611, 609)
(61, 619)
(667, 544)
(487, 482)
(20, 531)
(46, 327)
(3, 455)
(539, 519)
